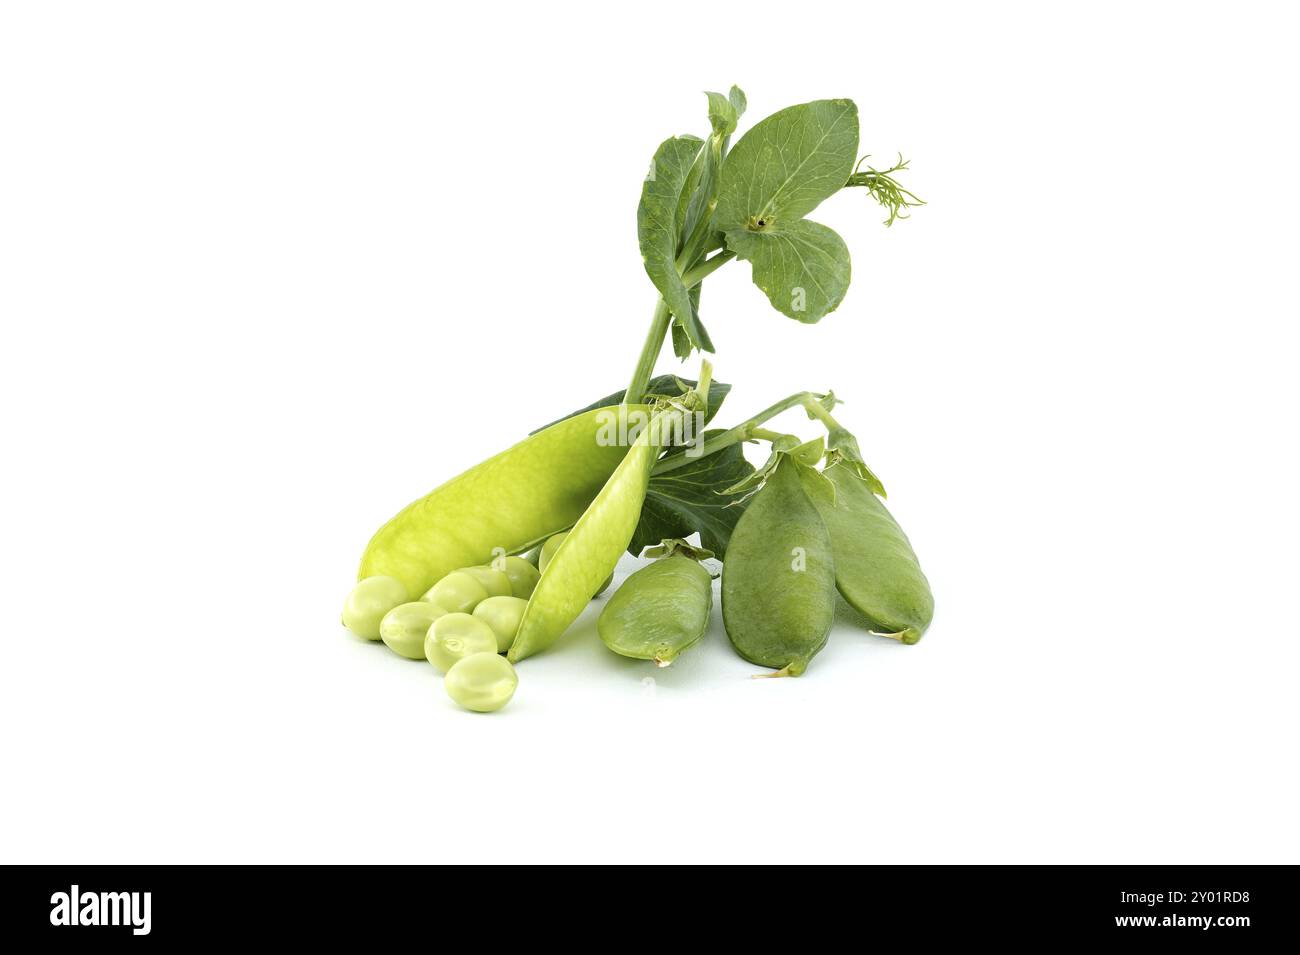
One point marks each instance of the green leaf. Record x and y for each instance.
(687, 500)
(688, 198)
(669, 386)
(676, 546)
(659, 229)
(802, 266)
(784, 167)
(704, 184)
(738, 101)
(810, 452)
(843, 447)
(682, 346)
(722, 114)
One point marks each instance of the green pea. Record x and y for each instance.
(482, 682)
(523, 575)
(876, 569)
(405, 626)
(458, 592)
(502, 614)
(778, 579)
(369, 600)
(454, 636)
(662, 610)
(549, 547)
(495, 582)
(548, 552)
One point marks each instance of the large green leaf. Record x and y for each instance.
(668, 386)
(689, 499)
(659, 229)
(802, 266)
(786, 165)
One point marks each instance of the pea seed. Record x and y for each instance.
(369, 600)
(502, 615)
(405, 626)
(549, 550)
(495, 582)
(523, 576)
(457, 635)
(458, 592)
(482, 682)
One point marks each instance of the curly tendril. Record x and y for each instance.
(885, 189)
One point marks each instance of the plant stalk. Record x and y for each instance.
(659, 325)
(748, 430)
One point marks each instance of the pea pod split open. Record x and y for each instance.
(592, 549)
(510, 501)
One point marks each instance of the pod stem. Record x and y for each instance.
(748, 430)
(705, 381)
(675, 545)
(790, 669)
(906, 637)
(841, 443)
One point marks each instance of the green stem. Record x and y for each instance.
(654, 343)
(748, 430)
(659, 325)
(706, 379)
(694, 276)
(819, 411)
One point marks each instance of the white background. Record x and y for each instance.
(269, 271)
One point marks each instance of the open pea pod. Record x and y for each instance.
(592, 549)
(505, 504)
(876, 569)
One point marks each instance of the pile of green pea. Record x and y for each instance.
(462, 624)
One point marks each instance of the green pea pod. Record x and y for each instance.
(778, 580)
(510, 501)
(876, 569)
(590, 552)
(662, 610)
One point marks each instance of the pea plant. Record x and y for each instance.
(503, 558)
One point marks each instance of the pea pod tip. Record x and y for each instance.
(794, 668)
